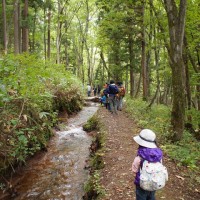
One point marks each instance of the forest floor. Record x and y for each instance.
(120, 149)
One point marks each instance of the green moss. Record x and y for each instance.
(92, 124)
(93, 188)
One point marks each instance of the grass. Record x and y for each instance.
(157, 118)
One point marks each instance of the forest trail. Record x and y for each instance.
(120, 150)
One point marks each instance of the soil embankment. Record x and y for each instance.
(120, 150)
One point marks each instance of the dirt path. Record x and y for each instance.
(116, 176)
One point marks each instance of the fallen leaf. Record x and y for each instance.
(196, 190)
(180, 177)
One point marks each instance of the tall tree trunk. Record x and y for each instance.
(156, 52)
(117, 73)
(126, 84)
(104, 63)
(176, 23)
(19, 29)
(138, 85)
(58, 35)
(16, 27)
(131, 59)
(143, 61)
(149, 49)
(4, 26)
(44, 35)
(34, 28)
(49, 34)
(187, 83)
(197, 70)
(85, 36)
(25, 38)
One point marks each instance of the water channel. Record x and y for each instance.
(59, 173)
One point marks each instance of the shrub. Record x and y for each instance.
(157, 118)
(32, 94)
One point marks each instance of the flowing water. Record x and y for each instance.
(59, 173)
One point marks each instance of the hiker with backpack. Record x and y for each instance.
(112, 92)
(150, 174)
(120, 95)
(105, 92)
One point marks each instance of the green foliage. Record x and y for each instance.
(93, 188)
(195, 117)
(185, 151)
(92, 124)
(32, 94)
(157, 118)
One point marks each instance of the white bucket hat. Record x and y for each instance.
(146, 138)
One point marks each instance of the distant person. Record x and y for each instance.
(105, 92)
(103, 100)
(147, 151)
(120, 95)
(98, 90)
(89, 90)
(95, 90)
(112, 92)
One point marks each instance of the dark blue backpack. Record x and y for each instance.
(113, 89)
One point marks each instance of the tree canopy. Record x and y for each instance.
(151, 46)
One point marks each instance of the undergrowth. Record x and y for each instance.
(93, 188)
(157, 118)
(32, 92)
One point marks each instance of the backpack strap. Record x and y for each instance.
(141, 162)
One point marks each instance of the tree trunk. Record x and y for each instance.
(44, 35)
(138, 85)
(34, 28)
(49, 35)
(25, 38)
(176, 23)
(131, 59)
(197, 70)
(58, 35)
(16, 27)
(4, 26)
(86, 43)
(156, 52)
(19, 29)
(104, 63)
(143, 61)
(127, 79)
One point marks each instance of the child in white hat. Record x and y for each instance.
(149, 151)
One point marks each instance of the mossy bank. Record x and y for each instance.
(93, 189)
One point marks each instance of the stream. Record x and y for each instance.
(59, 173)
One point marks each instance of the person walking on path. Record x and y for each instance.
(95, 90)
(105, 92)
(112, 92)
(149, 151)
(89, 90)
(120, 95)
(98, 90)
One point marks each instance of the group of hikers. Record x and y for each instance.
(111, 96)
(96, 90)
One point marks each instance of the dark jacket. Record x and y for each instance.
(111, 94)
